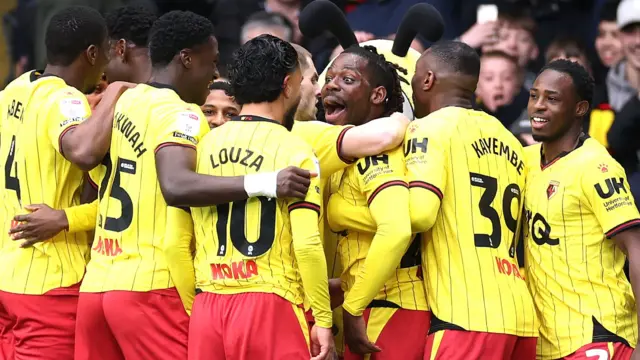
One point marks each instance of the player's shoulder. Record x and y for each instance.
(594, 158)
(293, 142)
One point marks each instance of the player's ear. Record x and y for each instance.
(428, 81)
(286, 87)
(121, 48)
(581, 108)
(378, 95)
(186, 58)
(92, 54)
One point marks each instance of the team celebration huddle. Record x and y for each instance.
(144, 223)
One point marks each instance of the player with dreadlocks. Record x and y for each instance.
(384, 295)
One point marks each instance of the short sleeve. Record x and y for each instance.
(184, 127)
(426, 152)
(378, 172)
(606, 189)
(307, 160)
(67, 111)
(326, 141)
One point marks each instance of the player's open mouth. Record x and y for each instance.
(333, 108)
(538, 123)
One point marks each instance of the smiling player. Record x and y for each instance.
(582, 220)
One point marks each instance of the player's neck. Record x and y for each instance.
(564, 144)
(69, 74)
(141, 70)
(265, 110)
(167, 77)
(444, 100)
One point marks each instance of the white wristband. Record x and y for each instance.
(263, 184)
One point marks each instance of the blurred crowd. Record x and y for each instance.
(602, 35)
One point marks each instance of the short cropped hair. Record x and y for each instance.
(583, 83)
(268, 19)
(132, 23)
(258, 69)
(456, 56)
(175, 31)
(304, 56)
(71, 31)
(221, 85)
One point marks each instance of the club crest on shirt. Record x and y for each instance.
(552, 189)
(603, 167)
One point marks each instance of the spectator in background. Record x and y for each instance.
(516, 37)
(498, 84)
(608, 44)
(266, 23)
(220, 105)
(621, 129)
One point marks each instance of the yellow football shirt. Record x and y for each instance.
(574, 205)
(475, 166)
(377, 183)
(261, 244)
(36, 112)
(127, 252)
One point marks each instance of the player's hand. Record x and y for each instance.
(355, 335)
(293, 182)
(40, 224)
(117, 88)
(322, 346)
(635, 355)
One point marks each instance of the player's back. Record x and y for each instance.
(247, 246)
(127, 252)
(472, 275)
(36, 112)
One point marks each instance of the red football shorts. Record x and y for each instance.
(38, 326)
(464, 345)
(602, 351)
(247, 326)
(118, 325)
(399, 333)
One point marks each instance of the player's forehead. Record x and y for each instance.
(554, 81)
(349, 61)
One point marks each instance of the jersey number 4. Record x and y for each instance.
(12, 182)
(511, 192)
(237, 224)
(123, 222)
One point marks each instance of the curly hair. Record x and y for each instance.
(132, 23)
(583, 83)
(258, 69)
(385, 74)
(221, 85)
(71, 31)
(175, 31)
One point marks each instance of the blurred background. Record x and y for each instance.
(515, 38)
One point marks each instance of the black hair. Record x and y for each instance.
(384, 73)
(71, 31)
(175, 31)
(258, 69)
(221, 85)
(583, 83)
(132, 23)
(566, 45)
(457, 57)
(609, 11)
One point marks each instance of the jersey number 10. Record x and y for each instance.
(237, 224)
(511, 192)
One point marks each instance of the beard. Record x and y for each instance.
(290, 115)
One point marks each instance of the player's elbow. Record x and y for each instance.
(173, 189)
(85, 159)
(398, 230)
